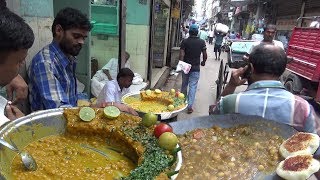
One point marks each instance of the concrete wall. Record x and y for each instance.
(137, 44)
(104, 48)
(39, 15)
(137, 35)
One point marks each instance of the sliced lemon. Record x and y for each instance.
(111, 112)
(158, 91)
(87, 114)
(148, 92)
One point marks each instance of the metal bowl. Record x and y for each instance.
(227, 121)
(30, 128)
(161, 116)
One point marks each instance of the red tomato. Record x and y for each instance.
(177, 94)
(161, 128)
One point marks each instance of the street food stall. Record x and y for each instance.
(105, 143)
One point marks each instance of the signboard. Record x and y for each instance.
(286, 24)
(175, 14)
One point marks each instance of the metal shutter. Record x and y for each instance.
(288, 7)
(312, 8)
(312, 4)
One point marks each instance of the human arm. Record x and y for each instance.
(108, 93)
(111, 68)
(19, 87)
(122, 107)
(235, 81)
(106, 71)
(181, 55)
(182, 51)
(204, 56)
(48, 83)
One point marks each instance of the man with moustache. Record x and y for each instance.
(52, 80)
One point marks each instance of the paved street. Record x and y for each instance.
(206, 91)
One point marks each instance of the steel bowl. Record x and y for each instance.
(231, 120)
(161, 116)
(30, 128)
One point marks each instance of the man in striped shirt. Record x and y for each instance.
(52, 71)
(265, 95)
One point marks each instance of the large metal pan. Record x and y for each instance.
(226, 121)
(30, 128)
(161, 116)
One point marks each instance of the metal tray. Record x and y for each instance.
(161, 116)
(226, 121)
(27, 129)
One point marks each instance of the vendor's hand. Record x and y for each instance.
(245, 58)
(19, 87)
(203, 63)
(12, 112)
(235, 79)
(122, 107)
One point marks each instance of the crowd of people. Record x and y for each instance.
(265, 95)
(52, 81)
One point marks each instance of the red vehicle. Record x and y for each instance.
(302, 75)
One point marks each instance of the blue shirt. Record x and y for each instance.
(270, 100)
(218, 38)
(52, 81)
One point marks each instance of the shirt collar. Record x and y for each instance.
(266, 84)
(64, 60)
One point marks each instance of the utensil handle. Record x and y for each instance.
(3, 142)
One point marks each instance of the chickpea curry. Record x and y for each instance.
(155, 103)
(103, 148)
(233, 153)
(61, 157)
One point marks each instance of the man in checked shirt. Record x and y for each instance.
(52, 81)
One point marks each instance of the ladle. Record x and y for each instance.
(27, 160)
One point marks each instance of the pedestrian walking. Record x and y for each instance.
(218, 43)
(190, 51)
(210, 34)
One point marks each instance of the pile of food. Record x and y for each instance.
(298, 153)
(228, 153)
(103, 144)
(156, 101)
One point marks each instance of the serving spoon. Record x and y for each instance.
(27, 160)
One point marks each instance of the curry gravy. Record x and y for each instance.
(64, 157)
(235, 153)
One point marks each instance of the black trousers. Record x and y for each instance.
(210, 40)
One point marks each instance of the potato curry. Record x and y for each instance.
(234, 153)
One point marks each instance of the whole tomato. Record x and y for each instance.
(161, 128)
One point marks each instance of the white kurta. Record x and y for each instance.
(111, 92)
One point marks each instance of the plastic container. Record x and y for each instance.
(221, 28)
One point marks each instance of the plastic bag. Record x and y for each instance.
(183, 66)
(221, 28)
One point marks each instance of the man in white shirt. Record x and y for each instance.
(110, 70)
(268, 38)
(114, 90)
(210, 34)
(107, 73)
(315, 23)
